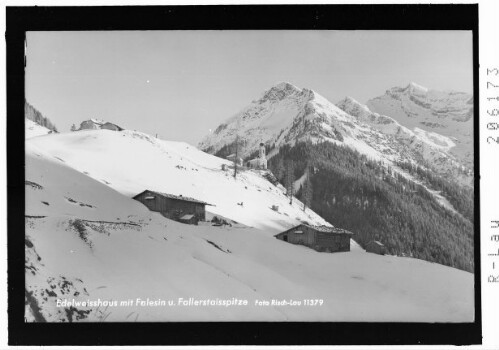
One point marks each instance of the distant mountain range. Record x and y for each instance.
(286, 114)
(389, 170)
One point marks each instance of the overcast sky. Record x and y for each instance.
(180, 84)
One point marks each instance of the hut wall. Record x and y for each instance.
(172, 208)
(320, 241)
(152, 204)
(176, 208)
(304, 238)
(375, 248)
(333, 242)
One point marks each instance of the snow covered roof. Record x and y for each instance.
(417, 88)
(172, 196)
(101, 123)
(322, 228)
(329, 229)
(378, 243)
(187, 217)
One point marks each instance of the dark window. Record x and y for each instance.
(285, 238)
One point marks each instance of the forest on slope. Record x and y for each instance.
(376, 203)
(33, 114)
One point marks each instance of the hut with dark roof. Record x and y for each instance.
(95, 124)
(179, 208)
(111, 126)
(376, 248)
(320, 238)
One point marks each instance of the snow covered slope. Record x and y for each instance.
(131, 162)
(448, 113)
(37, 122)
(32, 129)
(88, 243)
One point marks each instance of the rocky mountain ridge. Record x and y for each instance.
(448, 113)
(286, 114)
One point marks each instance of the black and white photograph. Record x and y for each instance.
(249, 176)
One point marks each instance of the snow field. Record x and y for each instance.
(162, 259)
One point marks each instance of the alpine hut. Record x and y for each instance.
(180, 208)
(320, 238)
(376, 248)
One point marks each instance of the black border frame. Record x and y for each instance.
(236, 17)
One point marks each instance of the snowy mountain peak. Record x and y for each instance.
(283, 114)
(350, 99)
(365, 115)
(416, 89)
(284, 85)
(411, 89)
(349, 103)
(279, 91)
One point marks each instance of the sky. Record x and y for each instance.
(182, 84)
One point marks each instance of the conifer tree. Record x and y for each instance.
(289, 180)
(307, 192)
(236, 156)
(279, 169)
